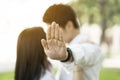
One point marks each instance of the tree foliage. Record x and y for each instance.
(91, 11)
(106, 13)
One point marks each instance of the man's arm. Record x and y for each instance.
(86, 54)
(77, 73)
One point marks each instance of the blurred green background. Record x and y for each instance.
(106, 74)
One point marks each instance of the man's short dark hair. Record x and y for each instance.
(61, 14)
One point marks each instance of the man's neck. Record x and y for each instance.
(76, 32)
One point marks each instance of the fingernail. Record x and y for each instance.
(53, 22)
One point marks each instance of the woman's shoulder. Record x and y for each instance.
(49, 75)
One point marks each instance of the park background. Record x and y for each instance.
(99, 20)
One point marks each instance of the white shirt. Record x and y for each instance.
(49, 75)
(87, 55)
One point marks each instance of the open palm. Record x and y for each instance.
(54, 46)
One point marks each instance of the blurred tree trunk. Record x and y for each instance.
(104, 20)
(91, 19)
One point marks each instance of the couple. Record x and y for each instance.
(80, 55)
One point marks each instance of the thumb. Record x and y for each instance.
(44, 44)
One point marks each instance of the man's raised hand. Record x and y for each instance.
(54, 46)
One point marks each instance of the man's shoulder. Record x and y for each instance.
(86, 41)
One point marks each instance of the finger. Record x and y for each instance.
(48, 33)
(50, 43)
(59, 44)
(60, 34)
(53, 30)
(57, 32)
(44, 44)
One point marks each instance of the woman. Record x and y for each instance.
(32, 63)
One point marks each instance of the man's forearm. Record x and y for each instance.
(86, 54)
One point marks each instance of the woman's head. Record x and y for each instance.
(31, 58)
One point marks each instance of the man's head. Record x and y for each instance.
(65, 17)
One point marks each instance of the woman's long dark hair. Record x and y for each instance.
(31, 58)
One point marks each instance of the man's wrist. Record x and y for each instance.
(69, 56)
(66, 56)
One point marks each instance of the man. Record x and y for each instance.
(63, 28)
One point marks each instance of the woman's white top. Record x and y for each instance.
(49, 75)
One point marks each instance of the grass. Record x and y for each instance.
(7, 76)
(106, 74)
(110, 74)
